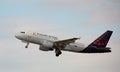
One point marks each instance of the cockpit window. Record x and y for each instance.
(22, 32)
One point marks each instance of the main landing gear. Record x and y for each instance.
(27, 45)
(57, 52)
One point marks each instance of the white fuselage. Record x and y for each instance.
(46, 41)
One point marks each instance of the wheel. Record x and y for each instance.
(57, 52)
(60, 52)
(57, 55)
(26, 46)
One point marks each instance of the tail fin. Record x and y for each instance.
(102, 41)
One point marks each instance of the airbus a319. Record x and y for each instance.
(51, 43)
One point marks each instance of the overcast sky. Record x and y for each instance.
(87, 19)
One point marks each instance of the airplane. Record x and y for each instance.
(51, 43)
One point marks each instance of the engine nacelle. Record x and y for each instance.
(43, 48)
(47, 44)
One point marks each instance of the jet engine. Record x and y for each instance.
(43, 48)
(46, 46)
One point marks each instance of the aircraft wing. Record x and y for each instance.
(66, 41)
(62, 43)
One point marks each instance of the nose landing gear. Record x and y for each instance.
(27, 45)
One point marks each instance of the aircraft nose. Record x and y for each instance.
(17, 36)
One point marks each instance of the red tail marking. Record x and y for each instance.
(97, 42)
